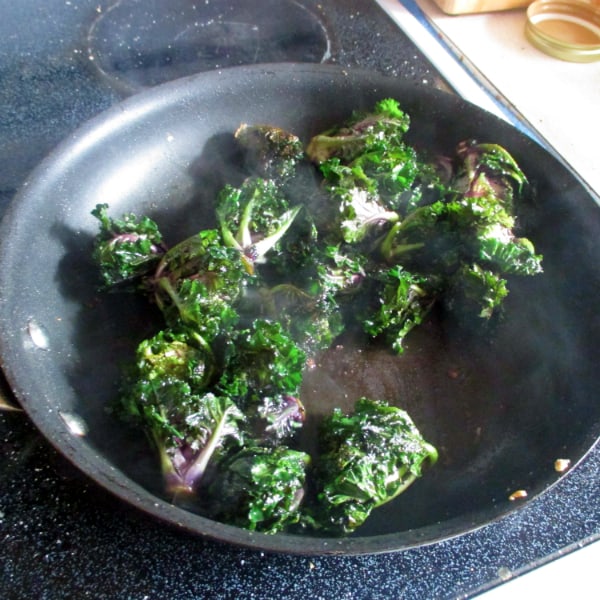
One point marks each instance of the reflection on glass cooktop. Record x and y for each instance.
(141, 43)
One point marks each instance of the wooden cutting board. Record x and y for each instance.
(461, 7)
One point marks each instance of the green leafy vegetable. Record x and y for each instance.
(260, 488)
(402, 301)
(263, 361)
(188, 428)
(261, 215)
(474, 290)
(270, 152)
(125, 249)
(384, 126)
(368, 458)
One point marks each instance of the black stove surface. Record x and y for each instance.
(62, 536)
(133, 49)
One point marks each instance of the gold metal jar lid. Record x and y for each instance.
(566, 29)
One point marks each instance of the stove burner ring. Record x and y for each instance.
(136, 44)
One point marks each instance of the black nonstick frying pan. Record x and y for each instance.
(500, 408)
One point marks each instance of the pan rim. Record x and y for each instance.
(131, 109)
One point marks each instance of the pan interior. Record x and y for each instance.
(500, 408)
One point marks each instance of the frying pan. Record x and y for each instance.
(500, 407)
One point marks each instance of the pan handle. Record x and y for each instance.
(7, 398)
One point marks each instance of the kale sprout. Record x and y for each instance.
(203, 257)
(473, 290)
(368, 458)
(359, 213)
(174, 356)
(260, 488)
(125, 249)
(489, 169)
(311, 309)
(341, 270)
(367, 168)
(424, 238)
(499, 247)
(208, 314)
(198, 282)
(312, 319)
(262, 361)
(189, 426)
(270, 152)
(261, 215)
(400, 302)
(384, 126)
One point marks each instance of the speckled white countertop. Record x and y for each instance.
(560, 99)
